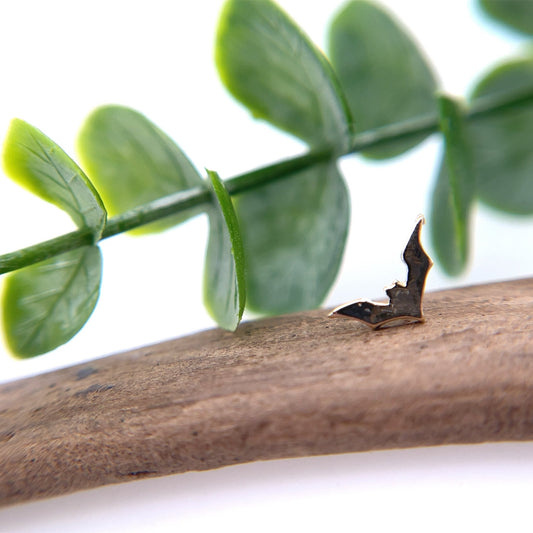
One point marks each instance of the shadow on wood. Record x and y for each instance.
(288, 386)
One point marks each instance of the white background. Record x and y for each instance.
(60, 60)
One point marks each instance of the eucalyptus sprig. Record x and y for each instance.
(277, 234)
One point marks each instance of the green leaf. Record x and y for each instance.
(224, 278)
(46, 304)
(294, 232)
(454, 192)
(501, 143)
(384, 75)
(442, 225)
(38, 164)
(518, 14)
(270, 66)
(132, 162)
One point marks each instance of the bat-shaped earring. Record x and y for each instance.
(405, 305)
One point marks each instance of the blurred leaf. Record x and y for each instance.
(503, 154)
(270, 66)
(46, 304)
(442, 225)
(41, 166)
(294, 231)
(454, 191)
(384, 75)
(132, 162)
(518, 14)
(224, 279)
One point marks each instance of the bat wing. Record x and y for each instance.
(418, 262)
(371, 313)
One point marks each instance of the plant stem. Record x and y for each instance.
(201, 196)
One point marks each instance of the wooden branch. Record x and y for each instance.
(289, 386)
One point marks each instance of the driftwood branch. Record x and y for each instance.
(283, 387)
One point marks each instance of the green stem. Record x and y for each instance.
(201, 197)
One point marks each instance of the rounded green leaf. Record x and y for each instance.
(270, 66)
(501, 143)
(132, 162)
(224, 278)
(517, 14)
(382, 72)
(454, 191)
(294, 231)
(46, 304)
(37, 163)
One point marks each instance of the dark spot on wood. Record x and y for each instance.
(96, 388)
(6, 435)
(51, 386)
(141, 473)
(194, 433)
(85, 373)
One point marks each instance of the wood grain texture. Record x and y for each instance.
(289, 386)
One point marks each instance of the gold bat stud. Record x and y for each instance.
(405, 301)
